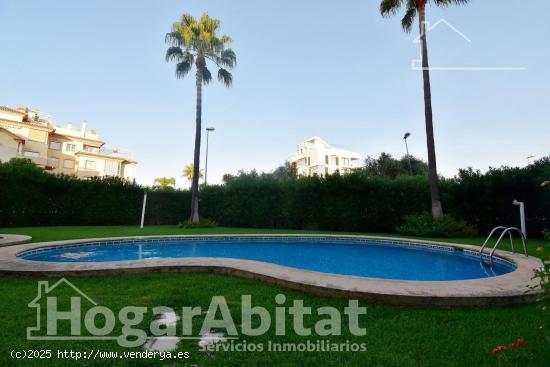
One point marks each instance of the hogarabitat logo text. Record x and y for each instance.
(90, 321)
(271, 346)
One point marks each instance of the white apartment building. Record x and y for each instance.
(26, 133)
(316, 157)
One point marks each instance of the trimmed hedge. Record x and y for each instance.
(351, 202)
(356, 202)
(31, 197)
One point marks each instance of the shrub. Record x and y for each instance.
(203, 223)
(542, 276)
(423, 225)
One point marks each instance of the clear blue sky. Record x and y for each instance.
(330, 68)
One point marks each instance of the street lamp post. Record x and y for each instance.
(208, 130)
(405, 137)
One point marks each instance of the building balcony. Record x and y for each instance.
(87, 173)
(38, 160)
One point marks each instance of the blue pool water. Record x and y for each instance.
(366, 258)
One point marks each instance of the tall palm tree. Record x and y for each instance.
(189, 172)
(412, 9)
(165, 182)
(194, 42)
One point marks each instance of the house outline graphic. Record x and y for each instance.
(416, 64)
(437, 24)
(43, 290)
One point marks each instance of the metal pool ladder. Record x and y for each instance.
(508, 230)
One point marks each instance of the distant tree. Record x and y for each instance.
(194, 42)
(387, 166)
(241, 174)
(189, 172)
(288, 171)
(285, 172)
(165, 182)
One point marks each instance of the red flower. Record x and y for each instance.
(512, 346)
(499, 349)
(521, 342)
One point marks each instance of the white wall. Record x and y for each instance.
(7, 152)
(11, 116)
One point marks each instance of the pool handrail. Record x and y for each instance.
(508, 230)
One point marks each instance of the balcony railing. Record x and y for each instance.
(38, 160)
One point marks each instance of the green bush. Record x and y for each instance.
(203, 223)
(423, 225)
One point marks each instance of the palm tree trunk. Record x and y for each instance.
(437, 209)
(194, 218)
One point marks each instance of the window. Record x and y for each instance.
(88, 149)
(70, 147)
(308, 161)
(31, 154)
(112, 168)
(326, 159)
(89, 164)
(53, 162)
(68, 163)
(337, 161)
(55, 145)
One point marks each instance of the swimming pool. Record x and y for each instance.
(363, 257)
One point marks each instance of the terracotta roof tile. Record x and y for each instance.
(9, 109)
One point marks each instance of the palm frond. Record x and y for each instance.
(390, 7)
(189, 57)
(226, 39)
(188, 20)
(174, 54)
(446, 3)
(225, 77)
(408, 20)
(206, 76)
(228, 58)
(173, 38)
(209, 24)
(182, 68)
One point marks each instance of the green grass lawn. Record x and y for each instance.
(396, 336)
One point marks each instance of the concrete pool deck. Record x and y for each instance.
(13, 239)
(510, 288)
